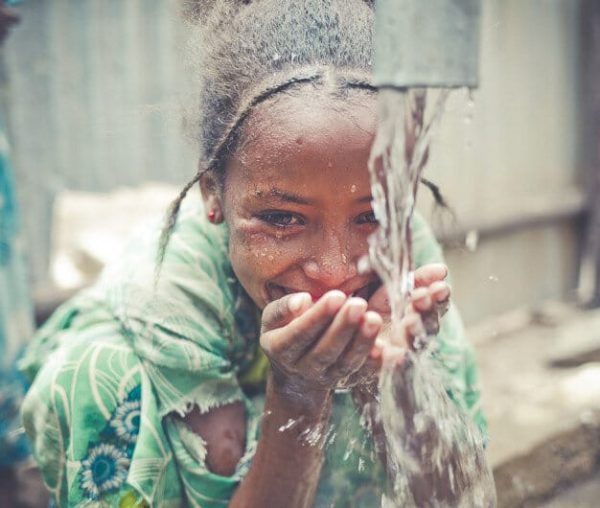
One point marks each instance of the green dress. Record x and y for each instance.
(114, 365)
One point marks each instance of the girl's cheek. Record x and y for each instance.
(261, 252)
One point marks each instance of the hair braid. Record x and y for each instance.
(171, 221)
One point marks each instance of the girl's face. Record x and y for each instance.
(297, 198)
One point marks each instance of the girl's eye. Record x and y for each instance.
(281, 219)
(367, 218)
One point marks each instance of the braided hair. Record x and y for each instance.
(250, 51)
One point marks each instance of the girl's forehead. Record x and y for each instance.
(297, 144)
(306, 122)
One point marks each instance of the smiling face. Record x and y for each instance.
(297, 198)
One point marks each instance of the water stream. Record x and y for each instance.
(434, 453)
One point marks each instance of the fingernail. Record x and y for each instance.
(423, 303)
(335, 299)
(418, 293)
(372, 323)
(442, 267)
(297, 301)
(364, 265)
(438, 286)
(356, 309)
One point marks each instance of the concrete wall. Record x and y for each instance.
(94, 93)
(515, 153)
(94, 98)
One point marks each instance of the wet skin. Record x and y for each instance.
(296, 201)
(297, 204)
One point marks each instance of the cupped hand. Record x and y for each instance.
(428, 302)
(313, 347)
(429, 284)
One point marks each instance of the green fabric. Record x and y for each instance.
(113, 365)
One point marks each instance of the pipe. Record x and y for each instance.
(426, 43)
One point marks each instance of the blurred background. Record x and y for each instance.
(93, 91)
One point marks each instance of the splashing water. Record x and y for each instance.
(434, 452)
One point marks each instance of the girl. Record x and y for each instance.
(216, 384)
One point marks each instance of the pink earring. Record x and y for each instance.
(212, 215)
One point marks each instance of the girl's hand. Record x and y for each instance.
(429, 281)
(312, 347)
(428, 303)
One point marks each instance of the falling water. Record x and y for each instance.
(434, 452)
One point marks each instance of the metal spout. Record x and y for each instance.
(426, 43)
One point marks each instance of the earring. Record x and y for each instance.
(212, 215)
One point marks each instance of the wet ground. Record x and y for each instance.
(583, 495)
(541, 386)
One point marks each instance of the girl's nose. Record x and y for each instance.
(331, 264)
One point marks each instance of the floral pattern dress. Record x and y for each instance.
(114, 367)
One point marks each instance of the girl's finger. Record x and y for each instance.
(440, 294)
(280, 312)
(424, 304)
(357, 353)
(420, 300)
(431, 322)
(428, 274)
(439, 291)
(338, 336)
(415, 330)
(293, 339)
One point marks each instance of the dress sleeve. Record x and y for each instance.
(455, 354)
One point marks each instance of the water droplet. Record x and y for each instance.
(344, 259)
(469, 116)
(288, 425)
(472, 240)
(493, 278)
(361, 465)
(329, 437)
(312, 436)
(363, 265)
(349, 449)
(353, 189)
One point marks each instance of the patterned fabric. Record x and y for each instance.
(115, 364)
(16, 317)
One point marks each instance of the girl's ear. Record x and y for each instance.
(211, 197)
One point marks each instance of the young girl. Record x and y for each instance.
(217, 382)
